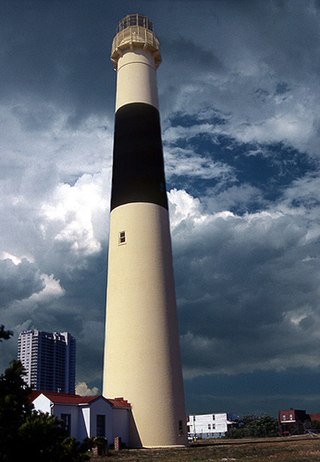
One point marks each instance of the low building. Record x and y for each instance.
(87, 416)
(315, 417)
(292, 421)
(204, 426)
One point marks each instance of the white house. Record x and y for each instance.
(207, 425)
(87, 416)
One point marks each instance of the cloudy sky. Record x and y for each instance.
(239, 94)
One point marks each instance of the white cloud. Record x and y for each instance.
(173, 134)
(239, 196)
(182, 207)
(249, 117)
(51, 290)
(55, 184)
(8, 256)
(75, 213)
(187, 163)
(291, 123)
(82, 389)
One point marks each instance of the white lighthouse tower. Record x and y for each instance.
(142, 354)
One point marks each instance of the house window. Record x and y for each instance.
(101, 425)
(66, 418)
(213, 417)
(209, 426)
(122, 237)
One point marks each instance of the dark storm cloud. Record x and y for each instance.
(18, 281)
(252, 287)
(56, 52)
(190, 56)
(261, 47)
(260, 393)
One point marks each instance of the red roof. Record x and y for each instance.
(120, 403)
(69, 399)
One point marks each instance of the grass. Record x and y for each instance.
(294, 449)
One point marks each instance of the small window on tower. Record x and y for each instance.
(122, 237)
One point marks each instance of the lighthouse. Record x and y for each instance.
(142, 354)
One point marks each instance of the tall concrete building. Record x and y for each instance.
(49, 359)
(142, 353)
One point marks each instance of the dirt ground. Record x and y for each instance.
(292, 449)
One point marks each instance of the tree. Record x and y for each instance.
(255, 426)
(267, 426)
(15, 406)
(51, 438)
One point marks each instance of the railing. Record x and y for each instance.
(135, 20)
(135, 36)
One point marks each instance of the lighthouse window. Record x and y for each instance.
(122, 237)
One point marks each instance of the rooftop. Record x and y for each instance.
(70, 399)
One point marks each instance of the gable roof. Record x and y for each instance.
(73, 399)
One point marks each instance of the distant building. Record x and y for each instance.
(315, 417)
(208, 425)
(292, 421)
(49, 359)
(87, 416)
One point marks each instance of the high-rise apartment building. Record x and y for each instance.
(49, 359)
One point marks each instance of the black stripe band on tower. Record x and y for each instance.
(138, 167)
